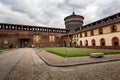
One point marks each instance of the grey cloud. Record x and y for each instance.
(52, 12)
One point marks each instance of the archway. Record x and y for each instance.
(102, 42)
(86, 42)
(24, 42)
(93, 42)
(115, 41)
(80, 43)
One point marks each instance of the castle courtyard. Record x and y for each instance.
(28, 64)
(59, 40)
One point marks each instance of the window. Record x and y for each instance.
(19, 28)
(102, 42)
(13, 27)
(33, 29)
(45, 30)
(6, 27)
(113, 28)
(24, 28)
(28, 29)
(100, 31)
(77, 35)
(9, 27)
(92, 33)
(51, 38)
(53, 30)
(86, 43)
(85, 34)
(37, 38)
(50, 30)
(38, 29)
(115, 41)
(80, 34)
(93, 42)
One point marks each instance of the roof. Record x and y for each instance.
(102, 19)
(73, 15)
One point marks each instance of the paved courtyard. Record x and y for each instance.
(25, 64)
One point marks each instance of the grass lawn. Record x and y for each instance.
(3, 48)
(77, 52)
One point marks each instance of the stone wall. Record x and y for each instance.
(24, 36)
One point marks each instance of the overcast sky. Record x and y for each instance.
(51, 13)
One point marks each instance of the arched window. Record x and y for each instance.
(80, 34)
(93, 42)
(115, 41)
(85, 34)
(0, 26)
(86, 42)
(80, 43)
(100, 31)
(92, 33)
(102, 42)
(113, 28)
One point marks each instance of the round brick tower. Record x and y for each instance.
(73, 22)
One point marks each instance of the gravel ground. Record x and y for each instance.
(30, 69)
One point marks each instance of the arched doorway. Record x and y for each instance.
(102, 42)
(115, 41)
(93, 42)
(86, 42)
(24, 42)
(80, 43)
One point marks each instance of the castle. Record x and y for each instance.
(101, 34)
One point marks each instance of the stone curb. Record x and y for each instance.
(74, 64)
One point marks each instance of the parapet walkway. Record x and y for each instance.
(57, 61)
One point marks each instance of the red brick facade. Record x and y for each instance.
(12, 35)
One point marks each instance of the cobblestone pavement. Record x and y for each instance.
(31, 67)
(8, 59)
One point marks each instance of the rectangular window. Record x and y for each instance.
(6, 27)
(13, 27)
(51, 38)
